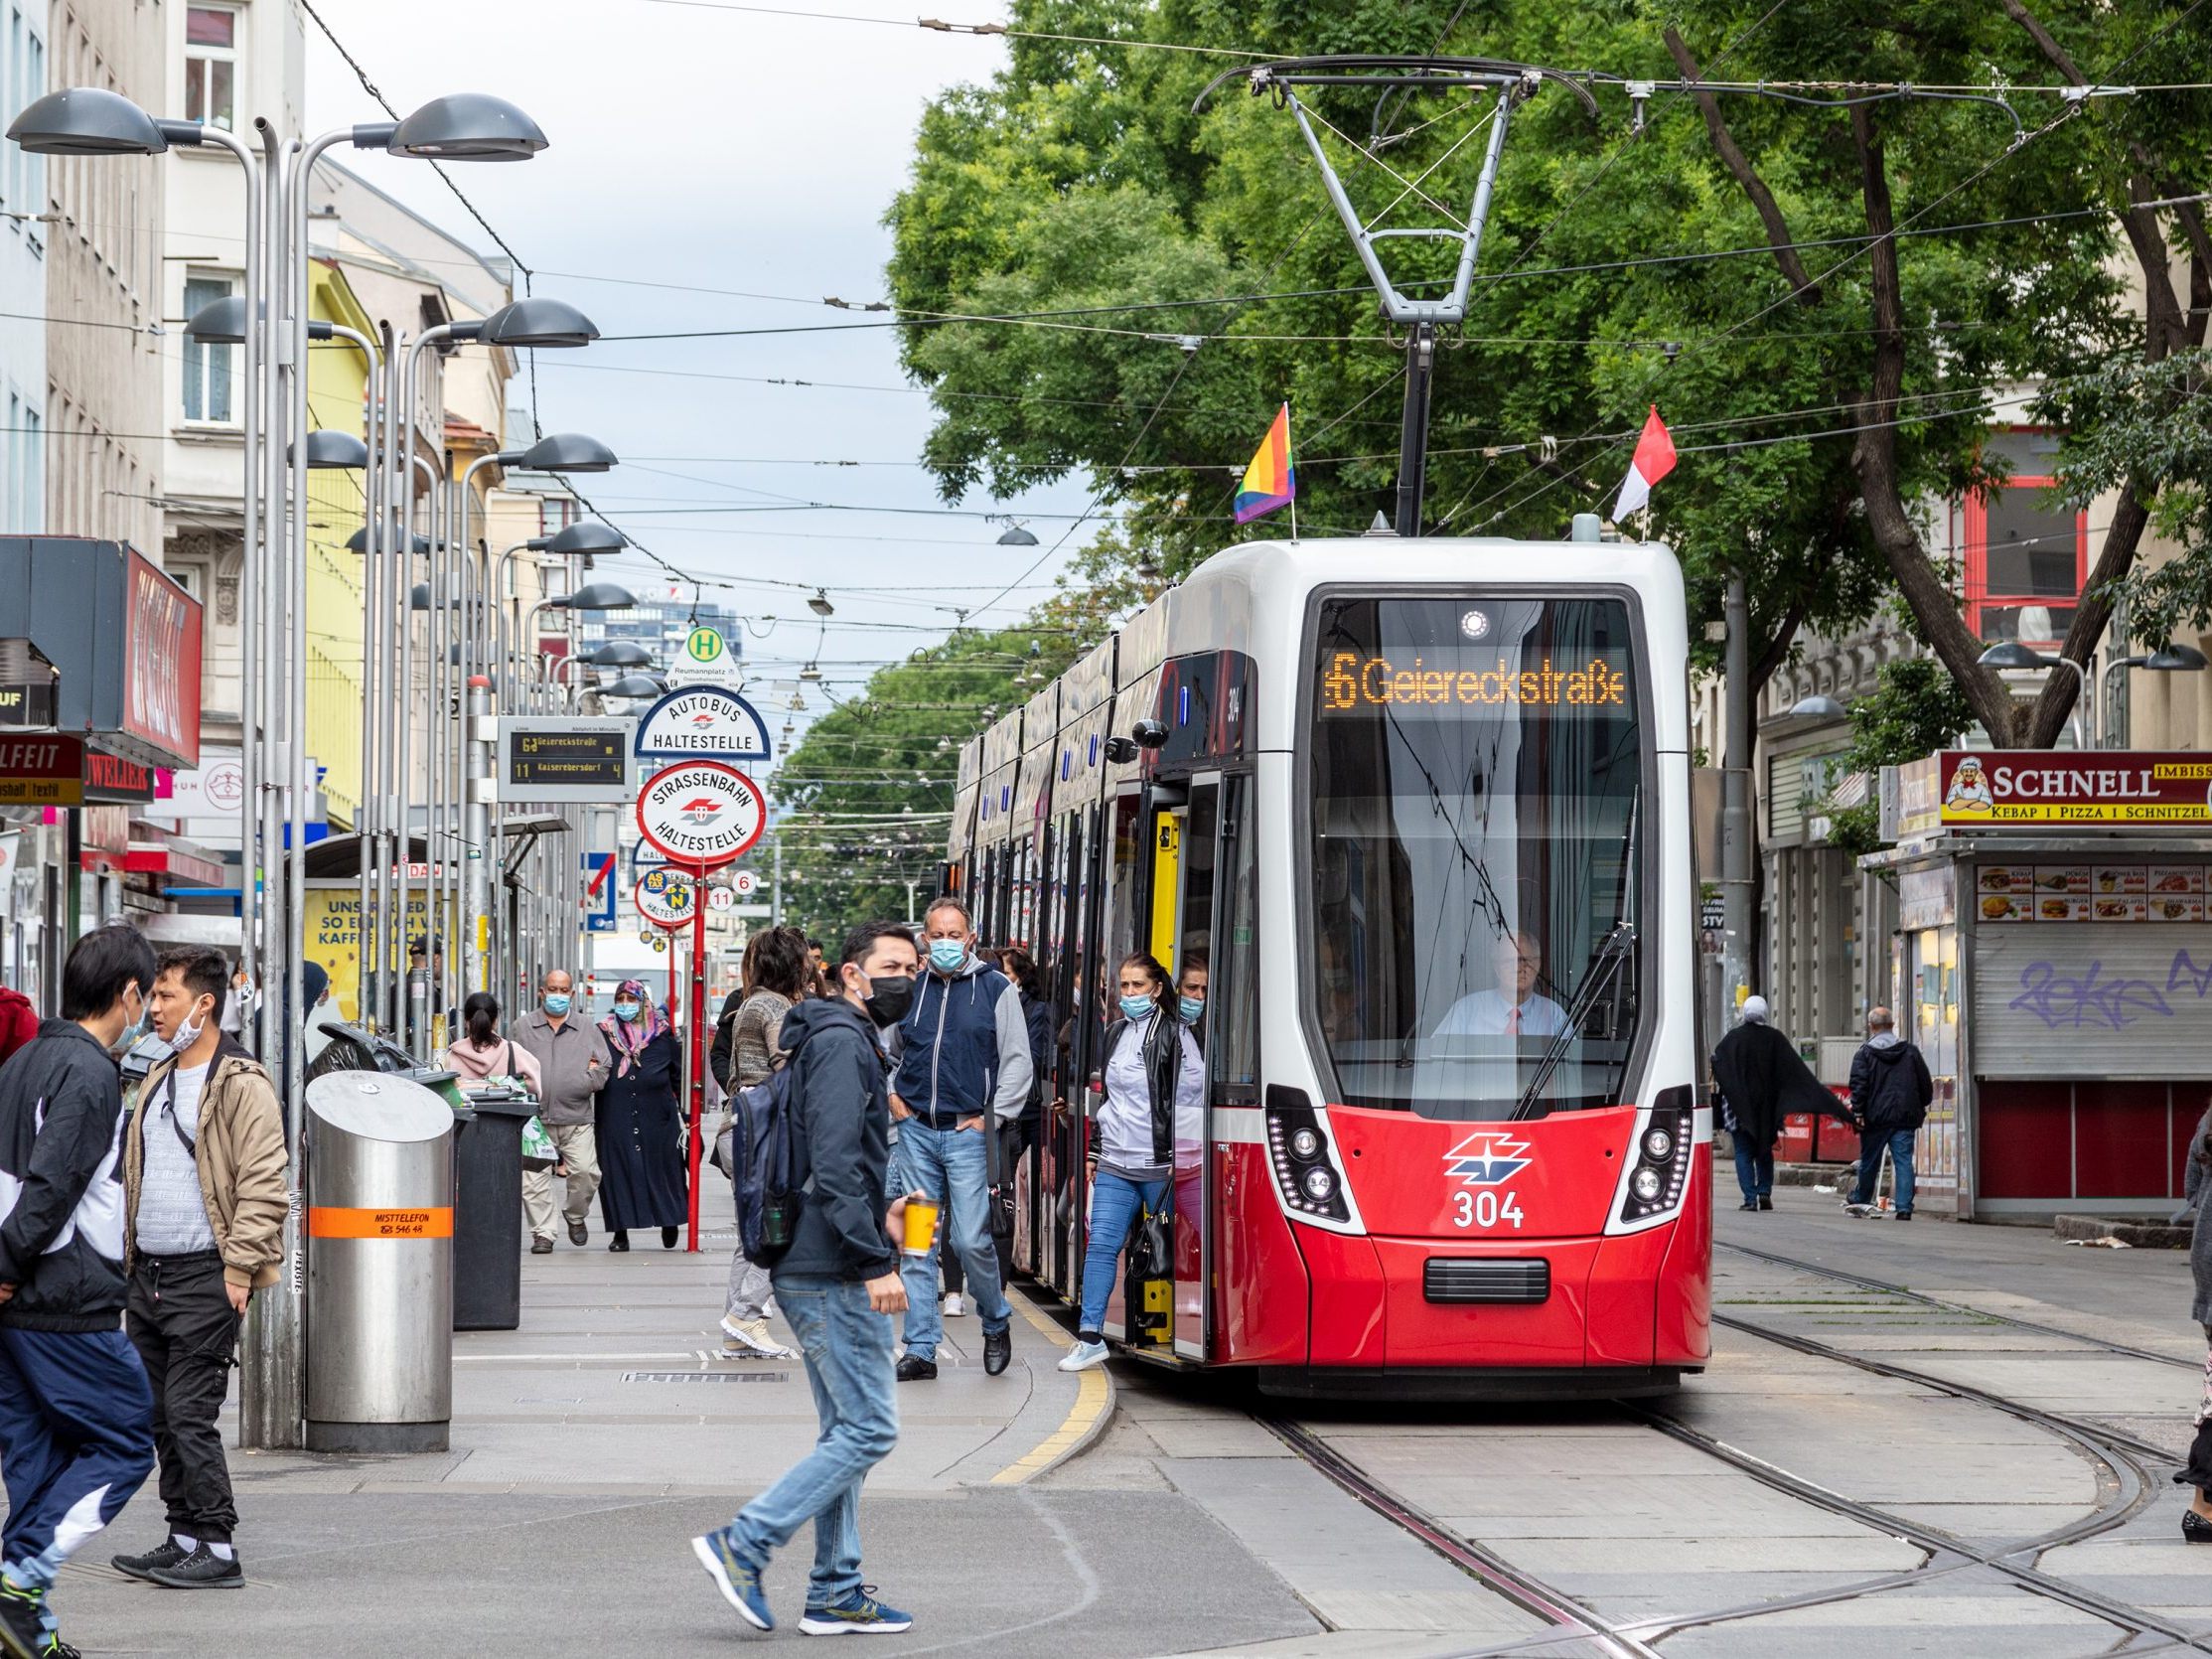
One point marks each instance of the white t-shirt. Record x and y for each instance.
(172, 1214)
(1487, 1013)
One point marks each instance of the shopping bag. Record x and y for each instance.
(538, 1151)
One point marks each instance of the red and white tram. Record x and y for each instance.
(1424, 807)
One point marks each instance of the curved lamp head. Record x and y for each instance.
(358, 543)
(328, 449)
(585, 536)
(1016, 536)
(2177, 658)
(92, 121)
(537, 320)
(602, 596)
(1818, 707)
(566, 452)
(219, 322)
(632, 685)
(418, 598)
(619, 654)
(2010, 653)
(467, 127)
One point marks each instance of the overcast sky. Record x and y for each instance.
(708, 149)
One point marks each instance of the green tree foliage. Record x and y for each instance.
(1916, 709)
(1821, 395)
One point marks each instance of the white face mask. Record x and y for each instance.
(188, 1033)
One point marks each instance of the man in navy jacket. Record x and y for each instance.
(837, 1286)
(961, 1061)
(77, 1432)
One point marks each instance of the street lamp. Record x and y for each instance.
(2012, 653)
(562, 452)
(1016, 536)
(532, 322)
(330, 450)
(619, 654)
(1818, 707)
(462, 126)
(92, 121)
(2176, 658)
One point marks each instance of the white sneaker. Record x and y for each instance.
(749, 1339)
(1084, 1355)
(954, 1307)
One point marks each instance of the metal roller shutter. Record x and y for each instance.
(2093, 999)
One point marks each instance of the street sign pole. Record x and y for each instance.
(698, 1038)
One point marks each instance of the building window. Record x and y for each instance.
(2026, 556)
(208, 369)
(211, 64)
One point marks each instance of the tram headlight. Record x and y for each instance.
(1645, 1183)
(1319, 1185)
(1306, 1144)
(1658, 1144)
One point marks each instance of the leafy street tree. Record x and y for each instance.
(1825, 292)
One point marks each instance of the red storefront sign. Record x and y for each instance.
(161, 662)
(2000, 788)
(112, 777)
(39, 771)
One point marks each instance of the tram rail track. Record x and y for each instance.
(2126, 1486)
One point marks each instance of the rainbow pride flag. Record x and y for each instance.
(1271, 481)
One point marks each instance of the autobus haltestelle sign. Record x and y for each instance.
(702, 813)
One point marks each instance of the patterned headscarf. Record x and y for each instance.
(626, 1039)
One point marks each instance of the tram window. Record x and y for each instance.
(1193, 929)
(1233, 995)
(1477, 774)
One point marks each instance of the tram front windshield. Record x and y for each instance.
(1477, 783)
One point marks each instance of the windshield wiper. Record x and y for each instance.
(1604, 967)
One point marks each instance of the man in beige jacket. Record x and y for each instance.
(572, 1063)
(204, 1207)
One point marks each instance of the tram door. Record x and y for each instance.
(1185, 848)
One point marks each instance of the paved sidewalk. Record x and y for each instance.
(591, 1445)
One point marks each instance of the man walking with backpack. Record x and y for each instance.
(837, 1286)
(1890, 1091)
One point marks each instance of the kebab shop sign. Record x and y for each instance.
(1998, 788)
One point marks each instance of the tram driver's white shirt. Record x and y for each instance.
(1487, 1013)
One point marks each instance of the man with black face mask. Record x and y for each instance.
(837, 1287)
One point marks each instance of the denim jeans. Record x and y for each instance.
(1899, 1143)
(949, 1167)
(848, 1362)
(1116, 1201)
(1754, 1169)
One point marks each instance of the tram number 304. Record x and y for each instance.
(1484, 1209)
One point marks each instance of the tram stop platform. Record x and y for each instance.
(592, 1443)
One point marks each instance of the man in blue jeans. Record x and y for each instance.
(1890, 1091)
(959, 1058)
(838, 1287)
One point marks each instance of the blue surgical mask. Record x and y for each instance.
(1138, 1008)
(134, 1030)
(948, 956)
(1191, 1009)
(556, 1002)
(625, 1011)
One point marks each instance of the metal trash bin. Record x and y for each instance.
(487, 1212)
(380, 1265)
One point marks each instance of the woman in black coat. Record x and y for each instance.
(642, 1179)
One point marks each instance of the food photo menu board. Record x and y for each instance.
(2091, 892)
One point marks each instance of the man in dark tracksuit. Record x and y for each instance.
(75, 1415)
(1890, 1091)
(837, 1286)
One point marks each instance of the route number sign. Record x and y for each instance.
(663, 897)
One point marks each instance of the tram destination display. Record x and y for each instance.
(558, 760)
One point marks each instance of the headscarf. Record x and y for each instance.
(626, 1038)
(1755, 1010)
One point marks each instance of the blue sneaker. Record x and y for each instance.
(738, 1579)
(859, 1614)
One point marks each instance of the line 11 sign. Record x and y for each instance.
(558, 760)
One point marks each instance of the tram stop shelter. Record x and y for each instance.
(2052, 958)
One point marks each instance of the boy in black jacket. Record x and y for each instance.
(839, 1286)
(75, 1414)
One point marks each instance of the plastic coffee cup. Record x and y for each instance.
(921, 1227)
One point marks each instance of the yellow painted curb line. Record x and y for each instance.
(1084, 1423)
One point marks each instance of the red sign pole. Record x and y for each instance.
(698, 1034)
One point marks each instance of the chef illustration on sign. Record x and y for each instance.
(1970, 789)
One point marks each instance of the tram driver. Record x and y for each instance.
(1515, 1007)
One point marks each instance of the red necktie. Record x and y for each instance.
(1513, 1024)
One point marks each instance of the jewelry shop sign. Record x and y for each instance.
(2002, 788)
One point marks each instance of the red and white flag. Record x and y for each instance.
(1654, 460)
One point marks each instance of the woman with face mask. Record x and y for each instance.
(641, 1146)
(1152, 1081)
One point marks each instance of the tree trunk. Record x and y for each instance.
(1874, 460)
